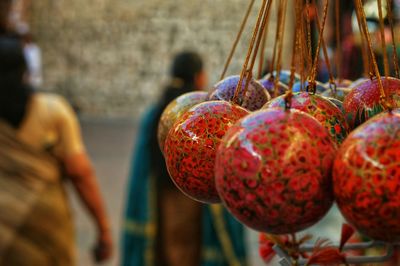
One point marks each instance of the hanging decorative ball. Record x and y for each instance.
(363, 102)
(273, 171)
(344, 83)
(320, 87)
(322, 109)
(269, 84)
(174, 110)
(256, 95)
(366, 177)
(190, 147)
(340, 93)
(338, 103)
(284, 76)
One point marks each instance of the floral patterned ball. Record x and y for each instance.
(190, 147)
(366, 177)
(327, 113)
(273, 171)
(174, 110)
(256, 95)
(363, 102)
(269, 84)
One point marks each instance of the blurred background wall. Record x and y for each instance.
(111, 57)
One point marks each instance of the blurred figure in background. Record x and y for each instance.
(163, 227)
(40, 141)
(33, 55)
(20, 29)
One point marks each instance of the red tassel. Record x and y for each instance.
(324, 254)
(266, 242)
(347, 233)
(327, 256)
(265, 248)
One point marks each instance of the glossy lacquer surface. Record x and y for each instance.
(363, 102)
(174, 110)
(254, 98)
(327, 113)
(273, 171)
(190, 147)
(367, 177)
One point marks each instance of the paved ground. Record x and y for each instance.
(110, 143)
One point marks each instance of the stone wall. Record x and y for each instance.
(111, 57)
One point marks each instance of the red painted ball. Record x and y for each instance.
(273, 171)
(254, 98)
(366, 177)
(190, 147)
(174, 110)
(363, 102)
(326, 112)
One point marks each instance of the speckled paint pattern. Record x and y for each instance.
(363, 102)
(273, 171)
(367, 177)
(327, 113)
(174, 110)
(190, 147)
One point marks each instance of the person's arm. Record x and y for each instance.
(81, 174)
(80, 171)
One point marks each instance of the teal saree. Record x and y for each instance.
(222, 236)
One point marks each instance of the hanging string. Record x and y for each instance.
(262, 54)
(238, 36)
(303, 47)
(339, 55)
(309, 41)
(263, 47)
(296, 44)
(364, 53)
(278, 25)
(251, 45)
(255, 52)
(281, 38)
(311, 81)
(363, 19)
(383, 42)
(394, 53)
(325, 51)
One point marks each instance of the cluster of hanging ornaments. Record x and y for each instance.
(275, 163)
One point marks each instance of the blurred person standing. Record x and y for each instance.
(41, 143)
(162, 226)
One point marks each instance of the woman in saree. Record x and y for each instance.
(40, 150)
(162, 226)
